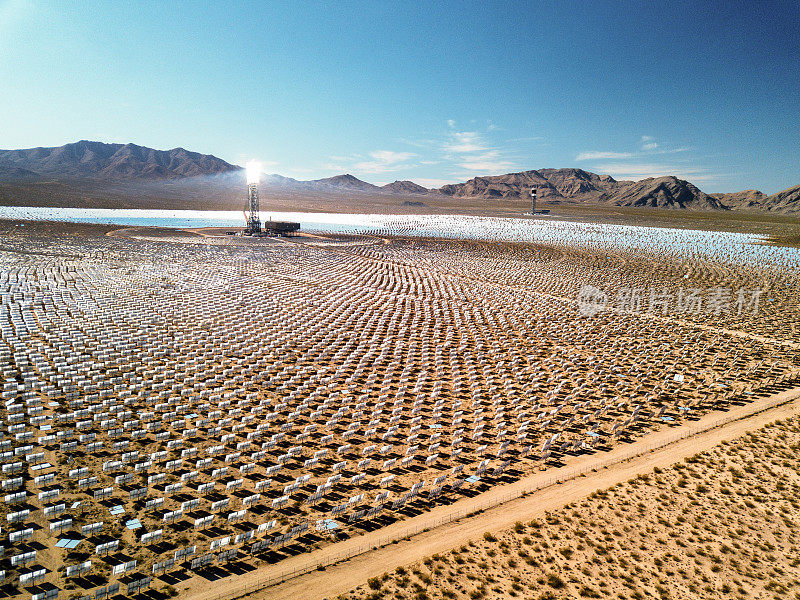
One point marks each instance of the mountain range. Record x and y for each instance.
(128, 167)
(87, 159)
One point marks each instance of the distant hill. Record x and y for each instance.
(513, 185)
(552, 185)
(787, 201)
(345, 182)
(664, 192)
(556, 186)
(576, 182)
(276, 180)
(744, 200)
(405, 187)
(97, 160)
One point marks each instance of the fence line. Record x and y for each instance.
(456, 515)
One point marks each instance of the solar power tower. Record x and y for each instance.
(253, 216)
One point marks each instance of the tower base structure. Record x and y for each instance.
(272, 228)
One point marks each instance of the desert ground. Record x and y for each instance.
(720, 524)
(186, 411)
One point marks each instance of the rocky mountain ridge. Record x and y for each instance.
(98, 163)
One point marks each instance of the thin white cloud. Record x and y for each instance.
(384, 161)
(469, 151)
(391, 157)
(648, 147)
(648, 143)
(672, 150)
(461, 142)
(421, 143)
(634, 170)
(637, 171)
(486, 162)
(533, 138)
(487, 167)
(336, 168)
(644, 167)
(466, 153)
(378, 161)
(598, 155)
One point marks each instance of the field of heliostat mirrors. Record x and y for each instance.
(179, 404)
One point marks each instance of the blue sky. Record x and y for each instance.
(435, 92)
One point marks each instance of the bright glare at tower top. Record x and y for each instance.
(253, 171)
